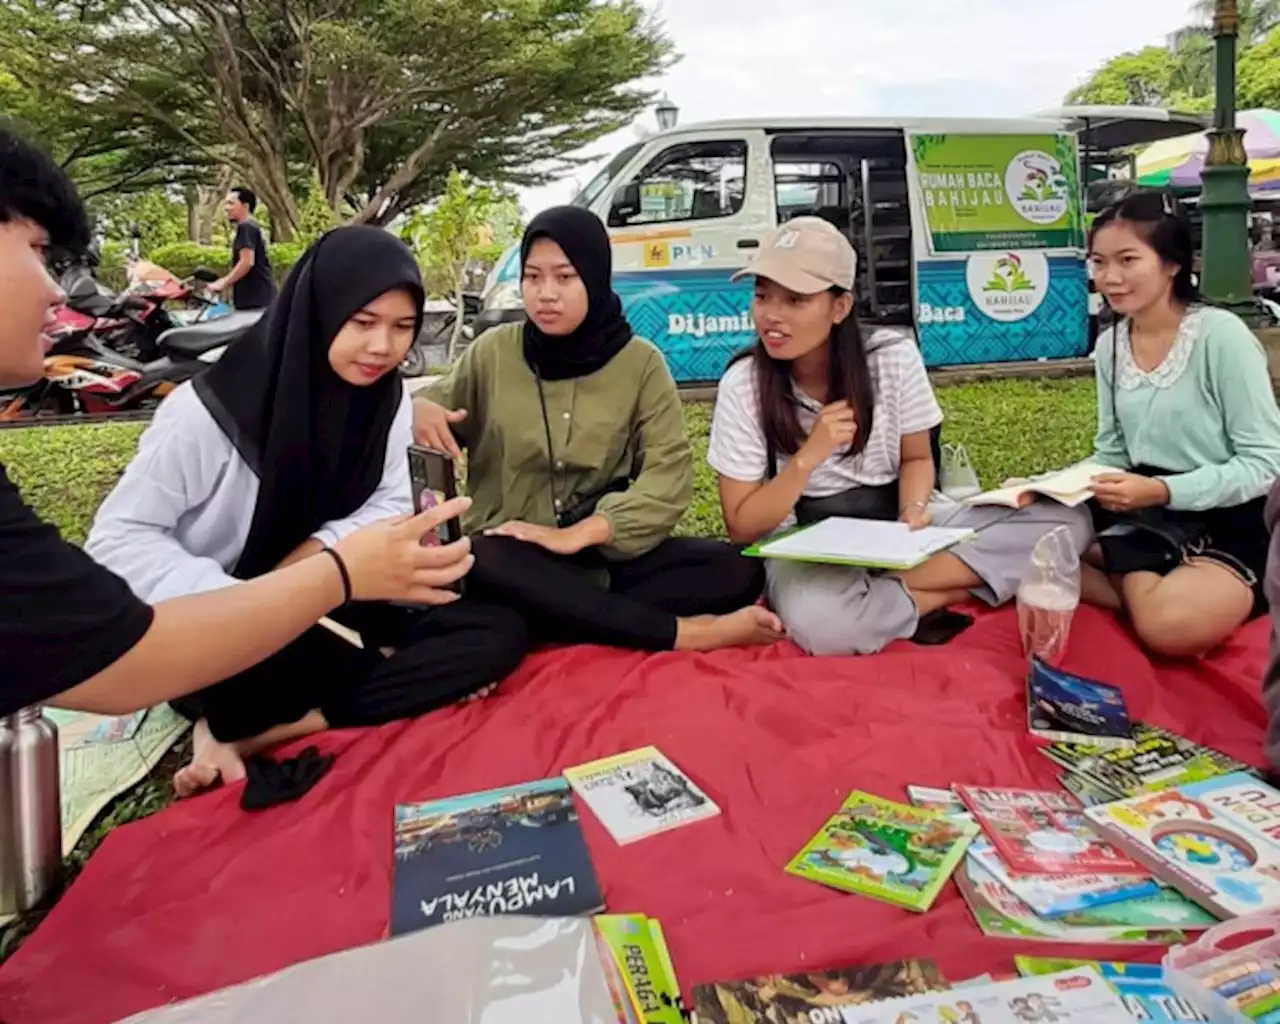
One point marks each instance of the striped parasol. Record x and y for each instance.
(1178, 162)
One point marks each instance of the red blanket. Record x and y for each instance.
(204, 895)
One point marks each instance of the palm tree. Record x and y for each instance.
(1257, 18)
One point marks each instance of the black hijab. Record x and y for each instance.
(316, 443)
(605, 331)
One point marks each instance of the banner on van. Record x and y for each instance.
(983, 192)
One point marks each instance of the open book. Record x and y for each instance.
(1070, 487)
(869, 543)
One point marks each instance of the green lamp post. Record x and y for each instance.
(1225, 278)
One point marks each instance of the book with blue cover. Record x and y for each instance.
(1067, 708)
(517, 850)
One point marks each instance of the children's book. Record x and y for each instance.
(1043, 833)
(814, 997)
(944, 801)
(888, 851)
(1216, 841)
(1071, 487)
(639, 794)
(1160, 919)
(637, 947)
(1057, 895)
(517, 850)
(1158, 760)
(1081, 996)
(1141, 987)
(1071, 709)
(868, 543)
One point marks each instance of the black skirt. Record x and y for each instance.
(1235, 537)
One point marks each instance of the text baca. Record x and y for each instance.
(699, 325)
(940, 314)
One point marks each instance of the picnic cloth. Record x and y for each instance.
(204, 895)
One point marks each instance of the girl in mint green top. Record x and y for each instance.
(1187, 416)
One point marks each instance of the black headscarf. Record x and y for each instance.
(605, 331)
(317, 444)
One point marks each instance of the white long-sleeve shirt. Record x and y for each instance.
(178, 519)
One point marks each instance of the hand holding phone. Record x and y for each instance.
(434, 480)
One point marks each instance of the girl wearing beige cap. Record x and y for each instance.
(816, 422)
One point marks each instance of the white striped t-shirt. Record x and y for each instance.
(904, 404)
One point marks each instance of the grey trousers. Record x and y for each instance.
(836, 610)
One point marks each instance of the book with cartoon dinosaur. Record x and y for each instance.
(886, 850)
(813, 997)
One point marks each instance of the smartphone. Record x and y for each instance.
(434, 480)
(940, 627)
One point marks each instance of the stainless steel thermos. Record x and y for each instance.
(30, 810)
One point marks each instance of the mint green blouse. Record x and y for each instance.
(1207, 413)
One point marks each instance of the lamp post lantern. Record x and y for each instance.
(1225, 277)
(667, 113)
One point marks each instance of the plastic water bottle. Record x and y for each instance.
(30, 810)
(1048, 597)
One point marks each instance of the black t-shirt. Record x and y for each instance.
(256, 289)
(63, 617)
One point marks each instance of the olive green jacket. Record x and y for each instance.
(622, 422)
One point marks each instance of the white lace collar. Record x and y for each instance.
(1171, 368)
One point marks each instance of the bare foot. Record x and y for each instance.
(748, 627)
(210, 761)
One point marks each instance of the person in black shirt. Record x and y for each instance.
(250, 277)
(72, 633)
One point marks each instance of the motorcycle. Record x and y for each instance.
(101, 379)
(439, 319)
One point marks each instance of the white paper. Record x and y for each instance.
(872, 542)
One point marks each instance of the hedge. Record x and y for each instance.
(1010, 428)
(182, 258)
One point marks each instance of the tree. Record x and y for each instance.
(1137, 79)
(458, 228)
(1258, 74)
(1257, 17)
(376, 98)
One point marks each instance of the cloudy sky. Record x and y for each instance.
(886, 58)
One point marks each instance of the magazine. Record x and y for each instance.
(1071, 709)
(1043, 833)
(1159, 919)
(888, 851)
(1080, 996)
(814, 997)
(1056, 895)
(638, 794)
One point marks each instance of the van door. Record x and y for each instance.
(998, 242)
(683, 216)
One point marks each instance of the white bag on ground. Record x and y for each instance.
(956, 478)
(1048, 597)
(495, 970)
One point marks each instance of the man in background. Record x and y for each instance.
(252, 286)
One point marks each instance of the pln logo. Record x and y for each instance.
(1037, 188)
(1007, 286)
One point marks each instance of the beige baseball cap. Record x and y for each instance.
(806, 254)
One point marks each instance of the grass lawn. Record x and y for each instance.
(1010, 428)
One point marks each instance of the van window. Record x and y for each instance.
(596, 185)
(689, 181)
(804, 190)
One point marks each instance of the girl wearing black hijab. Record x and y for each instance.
(293, 439)
(579, 468)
